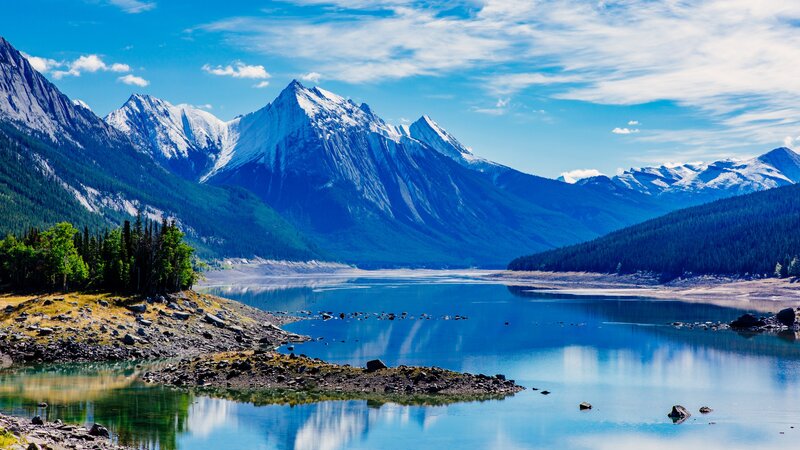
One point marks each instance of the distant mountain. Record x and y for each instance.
(58, 161)
(185, 139)
(688, 184)
(378, 194)
(747, 234)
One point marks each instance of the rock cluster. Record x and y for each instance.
(39, 435)
(158, 327)
(270, 370)
(784, 319)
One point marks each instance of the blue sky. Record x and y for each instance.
(543, 86)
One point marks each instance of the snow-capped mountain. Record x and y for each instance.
(59, 161)
(185, 139)
(371, 192)
(31, 102)
(431, 133)
(699, 182)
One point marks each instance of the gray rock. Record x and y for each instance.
(45, 331)
(705, 410)
(375, 365)
(181, 315)
(98, 430)
(102, 303)
(37, 420)
(129, 340)
(584, 406)
(214, 320)
(138, 308)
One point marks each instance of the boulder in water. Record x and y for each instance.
(679, 414)
(786, 317)
(747, 321)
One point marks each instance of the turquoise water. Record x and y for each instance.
(618, 354)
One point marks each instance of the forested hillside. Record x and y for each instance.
(756, 234)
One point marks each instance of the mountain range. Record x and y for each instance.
(58, 161)
(371, 192)
(310, 175)
(690, 184)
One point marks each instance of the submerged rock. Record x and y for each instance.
(584, 406)
(679, 414)
(705, 410)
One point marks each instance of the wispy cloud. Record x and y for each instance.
(727, 59)
(133, 6)
(238, 70)
(625, 130)
(311, 77)
(500, 107)
(133, 80)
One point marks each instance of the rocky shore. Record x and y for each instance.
(267, 370)
(35, 434)
(86, 327)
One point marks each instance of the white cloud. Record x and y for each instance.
(133, 80)
(42, 65)
(133, 6)
(579, 174)
(312, 77)
(261, 84)
(619, 130)
(119, 67)
(238, 70)
(727, 59)
(87, 63)
(633, 123)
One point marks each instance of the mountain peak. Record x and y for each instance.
(29, 100)
(431, 133)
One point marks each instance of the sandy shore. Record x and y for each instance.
(767, 295)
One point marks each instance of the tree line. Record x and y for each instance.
(751, 235)
(144, 257)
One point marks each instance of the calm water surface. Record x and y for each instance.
(618, 354)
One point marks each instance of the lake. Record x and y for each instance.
(619, 354)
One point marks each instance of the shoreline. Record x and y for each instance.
(762, 295)
(18, 433)
(190, 328)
